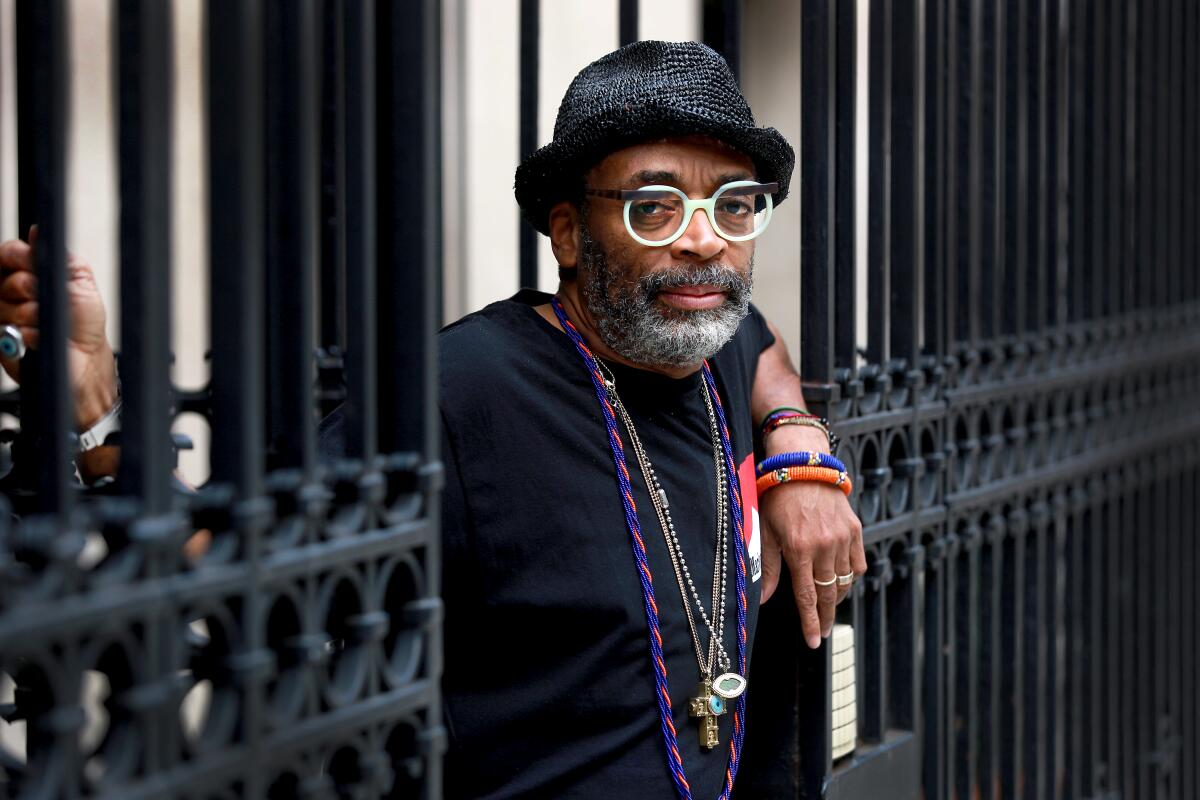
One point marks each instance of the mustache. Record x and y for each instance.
(718, 275)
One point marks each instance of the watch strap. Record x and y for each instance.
(94, 436)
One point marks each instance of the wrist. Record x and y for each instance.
(792, 438)
(97, 391)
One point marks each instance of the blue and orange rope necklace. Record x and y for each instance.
(663, 697)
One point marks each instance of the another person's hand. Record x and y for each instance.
(814, 529)
(90, 365)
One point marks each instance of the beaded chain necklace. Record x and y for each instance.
(662, 695)
(709, 702)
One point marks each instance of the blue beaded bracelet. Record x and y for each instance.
(801, 458)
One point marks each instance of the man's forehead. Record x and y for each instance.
(683, 158)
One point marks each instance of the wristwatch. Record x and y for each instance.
(94, 436)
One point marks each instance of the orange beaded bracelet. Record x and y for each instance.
(822, 474)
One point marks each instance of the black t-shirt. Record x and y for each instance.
(548, 683)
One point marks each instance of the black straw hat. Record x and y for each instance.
(646, 90)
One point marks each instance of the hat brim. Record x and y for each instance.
(555, 172)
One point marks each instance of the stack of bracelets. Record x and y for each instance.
(798, 416)
(801, 466)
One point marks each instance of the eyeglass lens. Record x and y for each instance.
(737, 211)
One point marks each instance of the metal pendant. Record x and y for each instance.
(729, 685)
(705, 707)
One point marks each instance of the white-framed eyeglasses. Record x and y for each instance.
(658, 215)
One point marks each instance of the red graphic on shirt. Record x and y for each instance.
(750, 526)
(749, 495)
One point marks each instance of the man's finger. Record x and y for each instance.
(858, 555)
(842, 566)
(16, 256)
(806, 601)
(20, 314)
(18, 287)
(824, 573)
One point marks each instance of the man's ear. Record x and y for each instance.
(565, 233)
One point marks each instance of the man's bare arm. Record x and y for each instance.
(811, 525)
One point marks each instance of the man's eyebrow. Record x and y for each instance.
(656, 176)
(733, 176)
(648, 176)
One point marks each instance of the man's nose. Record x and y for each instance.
(699, 241)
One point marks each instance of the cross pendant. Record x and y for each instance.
(706, 707)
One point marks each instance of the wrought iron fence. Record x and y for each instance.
(1022, 419)
(300, 655)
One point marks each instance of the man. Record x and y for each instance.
(569, 626)
(603, 562)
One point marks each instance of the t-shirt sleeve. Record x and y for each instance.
(760, 333)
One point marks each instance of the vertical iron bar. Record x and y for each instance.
(989, 137)
(409, 227)
(934, 735)
(970, 76)
(1035, 282)
(1101, 93)
(879, 182)
(145, 70)
(530, 59)
(1031, 629)
(1055, 43)
(1131, 212)
(991, 636)
(873, 644)
(908, 178)
(409, 223)
(1016, 169)
(845, 333)
(955, 168)
(1147, 205)
(628, 21)
(43, 85)
(236, 223)
(722, 23)
(1011, 614)
(1119, 161)
(333, 101)
(1162, 164)
(964, 683)
(358, 26)
(290, 245)
(1080, 175)
(934, 179)
(818, 148)
(1187, 98)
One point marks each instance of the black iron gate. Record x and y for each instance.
(299, 655)
(1022, 419)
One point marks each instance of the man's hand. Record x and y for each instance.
(90, 365)
(89, 356)
(817, 533)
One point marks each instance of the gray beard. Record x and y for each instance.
(637, 328)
